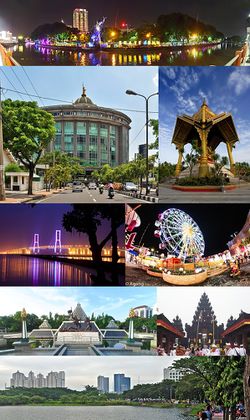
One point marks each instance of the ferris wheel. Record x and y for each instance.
(179, 234)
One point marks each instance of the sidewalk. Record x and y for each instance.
(14, 197)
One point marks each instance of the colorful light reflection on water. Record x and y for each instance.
(28, 271)
(203, 55)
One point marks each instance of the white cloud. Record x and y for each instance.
(239, 80)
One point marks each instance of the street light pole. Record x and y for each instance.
(131, 92)
(2, 186)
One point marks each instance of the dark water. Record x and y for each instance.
(202, 56)
(27, 271)
(90, 413)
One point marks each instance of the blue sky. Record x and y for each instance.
(115, 301)
(226, 89)
(105, 86)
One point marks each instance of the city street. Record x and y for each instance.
(87, 196)
(239, 195)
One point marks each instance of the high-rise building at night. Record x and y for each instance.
(52, 380)
(121, 383)
(81, 20)
(103, 384)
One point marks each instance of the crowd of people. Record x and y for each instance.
(229, 349)
(211, 412)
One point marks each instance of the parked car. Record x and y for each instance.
(130, 186)
(77, 186)
(92, 186)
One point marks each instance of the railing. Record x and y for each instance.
(6, 59)
(239, 58)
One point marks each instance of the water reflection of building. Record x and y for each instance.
(95, 135)
(81, 20)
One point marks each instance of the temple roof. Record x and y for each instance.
(45, 325)
(163, 322)
(79, 313)
(204, 113)
(114, 334)
(112, 325)
(219, 127)
(44, 333)
(242, 321)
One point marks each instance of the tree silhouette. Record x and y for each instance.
(88, 218)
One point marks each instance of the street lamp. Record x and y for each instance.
(131, 92)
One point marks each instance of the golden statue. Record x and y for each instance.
(24, 314)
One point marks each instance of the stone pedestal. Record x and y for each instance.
(135, 346)
(23, 346)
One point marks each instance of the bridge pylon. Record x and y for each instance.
(58, 242)
(36, 243)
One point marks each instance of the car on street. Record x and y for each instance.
(77, 186)
(130, 186)
(92, 186)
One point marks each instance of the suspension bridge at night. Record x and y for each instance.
(58, 248)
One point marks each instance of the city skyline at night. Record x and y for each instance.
(228, 17)
(16, 232)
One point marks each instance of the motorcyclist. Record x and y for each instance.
(111, 190)
(101, 187)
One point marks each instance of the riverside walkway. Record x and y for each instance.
(5, 58)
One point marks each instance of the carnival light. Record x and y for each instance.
(179, 234)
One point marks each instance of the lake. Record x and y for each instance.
(90, 413)
(30, 271)
(192, 56)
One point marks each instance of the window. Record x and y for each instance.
(93, 129)
(58, 127)
(68, 127)
(15, 179)
(81, 128)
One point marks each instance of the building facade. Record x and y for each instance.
(143, 311)
(95, 135)
(103, 384)
(121, 383)
(172, 374)
(52, 380)
(81, 20)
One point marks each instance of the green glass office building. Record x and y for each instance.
(94, 134)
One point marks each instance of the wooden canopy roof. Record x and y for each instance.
(242, 321)
(163, 322)
(220, 128)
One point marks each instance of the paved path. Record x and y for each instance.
(239, 195)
